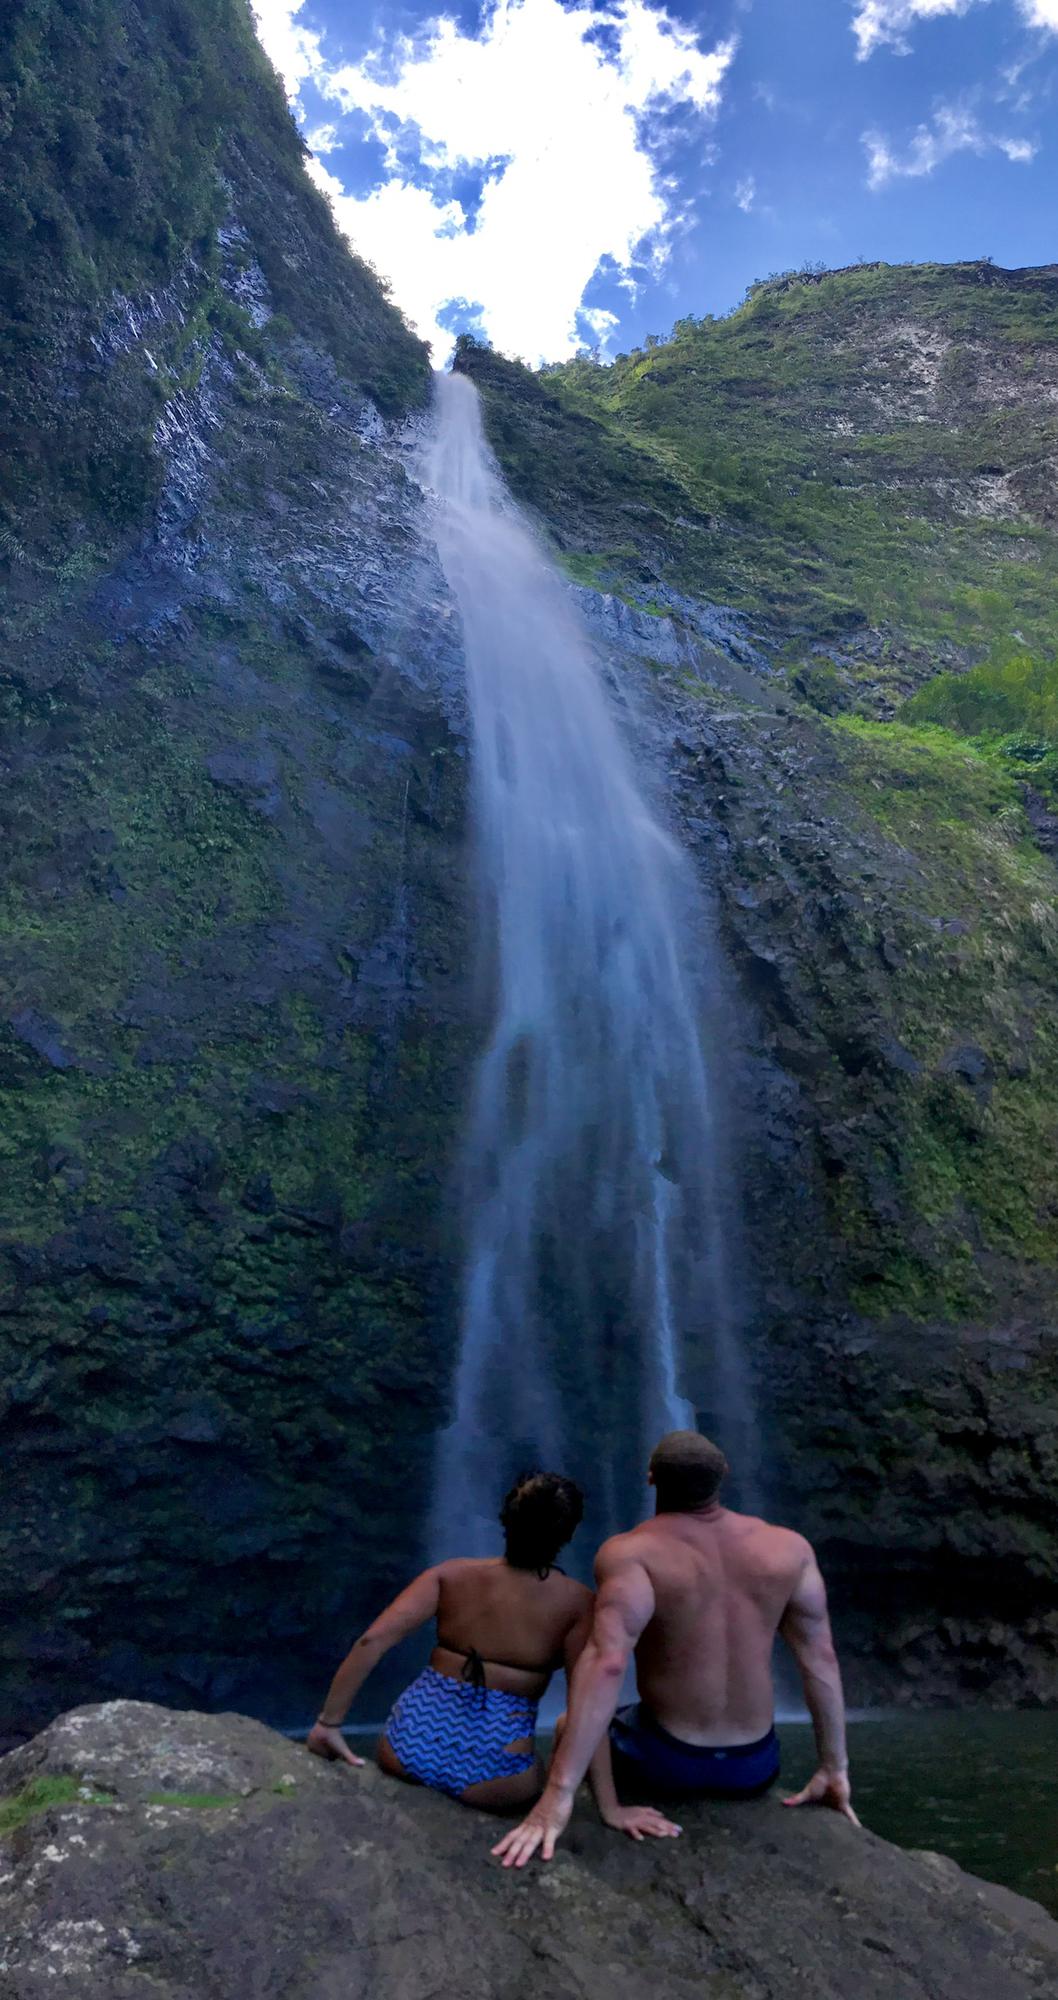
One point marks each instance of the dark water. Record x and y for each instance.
(982, 1788)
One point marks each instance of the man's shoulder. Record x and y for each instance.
(787, 1544)
(633, 1546)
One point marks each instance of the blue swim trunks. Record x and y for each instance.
(450, 1734)
(647, 1759)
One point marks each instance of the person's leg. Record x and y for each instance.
(506, 1795)
(389, 1762)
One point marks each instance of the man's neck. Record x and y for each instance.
(712, 1511)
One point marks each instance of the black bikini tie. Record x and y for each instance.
(474, 1671)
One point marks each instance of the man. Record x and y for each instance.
(699, 1593)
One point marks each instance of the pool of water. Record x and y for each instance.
(980, 1787)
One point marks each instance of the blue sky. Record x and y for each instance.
(557, 173)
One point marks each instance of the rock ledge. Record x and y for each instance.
(195, 1857)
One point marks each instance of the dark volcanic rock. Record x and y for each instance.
(235, 1019)
(203, 1858)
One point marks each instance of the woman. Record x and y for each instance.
(467, 1726)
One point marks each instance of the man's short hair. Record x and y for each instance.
(687, 1470)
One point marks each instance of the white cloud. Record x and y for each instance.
(557, 131)
(954, 128)
(600, 321)
(745, 193)
(877, 23)
(295, 51)
(322, 139)
(887, 23)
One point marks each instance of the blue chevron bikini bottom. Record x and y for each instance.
(450, 1734)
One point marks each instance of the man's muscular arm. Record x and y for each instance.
(624, 1605)
(806, 1629)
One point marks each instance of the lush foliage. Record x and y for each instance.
(1012, 696)
(125, 133)
(861, 448)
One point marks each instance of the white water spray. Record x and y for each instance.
(595, 1244)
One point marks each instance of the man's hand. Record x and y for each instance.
(639, 1821)
(827, 1788)
(331, 1744)
(540, 1828)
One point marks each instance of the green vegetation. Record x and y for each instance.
(1009, 703)
(830, 457)
(41, 1795)
(972, 931)
(126, 133)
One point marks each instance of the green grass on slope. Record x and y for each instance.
(1009, 703)
(843, 437)
(974, 932)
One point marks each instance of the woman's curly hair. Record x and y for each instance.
(541, 1513)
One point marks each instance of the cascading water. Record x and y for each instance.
(594, 1222)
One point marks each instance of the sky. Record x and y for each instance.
(566, 175)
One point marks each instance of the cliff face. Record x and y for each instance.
(233, 953)
(861, 469)
(237, 1010)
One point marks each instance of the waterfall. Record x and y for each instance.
(594, 1215)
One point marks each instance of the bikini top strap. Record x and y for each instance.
(475, 1664)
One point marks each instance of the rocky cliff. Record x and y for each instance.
(806, 536)
(237, 1008)
(235, 1017)
(203, 1858)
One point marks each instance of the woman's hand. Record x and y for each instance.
(331, 1744)
(639, 1822)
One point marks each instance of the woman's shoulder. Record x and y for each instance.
(577, 1595)
(456, 1569)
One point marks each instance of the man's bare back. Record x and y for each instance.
(721, 1584)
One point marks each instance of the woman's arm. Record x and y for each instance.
(414, 1607)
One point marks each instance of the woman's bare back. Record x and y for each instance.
(516, 1621)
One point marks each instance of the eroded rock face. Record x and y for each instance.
(236, 1015)
(886, 907)
(204, 1858)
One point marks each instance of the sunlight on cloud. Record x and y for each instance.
(955, 128)
(295, 51)
(886, 23)
(557, 125)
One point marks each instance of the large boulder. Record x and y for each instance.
(199, 1857)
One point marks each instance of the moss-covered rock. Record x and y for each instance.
(234, 1034)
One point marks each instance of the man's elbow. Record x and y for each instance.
(819, 1660)
(610, 1665)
